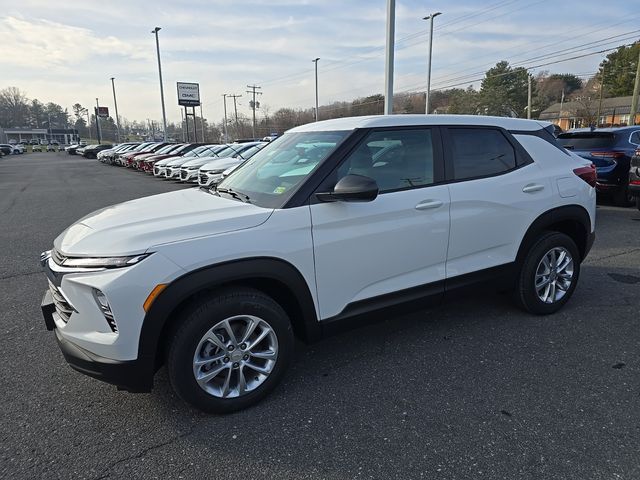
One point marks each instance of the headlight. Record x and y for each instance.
(215, 172)
(98, 262)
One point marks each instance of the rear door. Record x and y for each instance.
(496, 193)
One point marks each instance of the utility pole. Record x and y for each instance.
(388, 64)
(560, 112)
(98, 122)
(316, 62)
(254, 105)
(528, 96)
(634, 99)
(426, 98)
(164, 115)
(115, 104)
(235, 108)
(226, 135)
(600, 100)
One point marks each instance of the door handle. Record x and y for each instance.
(532, 187)
(427, 204)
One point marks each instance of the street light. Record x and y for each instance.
(115, 104)
(429, 17)
(164, 115)
(316, 62)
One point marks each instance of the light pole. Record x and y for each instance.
(115, 104)
(388, 63)
(164, 115)
(316, 62)
(429, 17)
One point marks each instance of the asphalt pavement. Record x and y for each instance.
(471, 390)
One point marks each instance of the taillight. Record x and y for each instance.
(634, 182)
(588, 174)
(608, 154)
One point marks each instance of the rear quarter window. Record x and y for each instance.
(480, 152)
(586, 141)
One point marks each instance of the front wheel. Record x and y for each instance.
(549, 274)
(230, 351)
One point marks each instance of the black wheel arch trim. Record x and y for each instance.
(574, 213)
(217, 275)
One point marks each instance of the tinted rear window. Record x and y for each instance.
(586, 141)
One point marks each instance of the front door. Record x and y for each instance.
(395, 242)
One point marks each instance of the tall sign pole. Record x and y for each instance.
(98, 122)
(201, 124)
(189, 96)
(388, 64)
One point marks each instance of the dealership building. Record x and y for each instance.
(63, 136)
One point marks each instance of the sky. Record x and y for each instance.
(67, 51)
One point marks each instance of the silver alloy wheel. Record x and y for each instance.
(235, 356)
(554, 275)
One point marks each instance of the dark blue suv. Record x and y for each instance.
(610, 150)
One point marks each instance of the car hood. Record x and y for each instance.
(221, 164)
(176, 162)
(198, 162)
(166, 160)
(138, 225)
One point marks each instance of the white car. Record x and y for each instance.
(331, 223)
(191, 171)
(18, 148)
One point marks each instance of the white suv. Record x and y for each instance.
(328, 225)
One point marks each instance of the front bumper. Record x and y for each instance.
(131, 375)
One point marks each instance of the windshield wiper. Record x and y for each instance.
(240, 196)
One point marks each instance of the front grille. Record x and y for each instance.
(183, 174)
(57, 257)
(63, 308)
(203, 178)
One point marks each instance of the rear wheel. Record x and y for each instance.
(549, 274)
(230, 351)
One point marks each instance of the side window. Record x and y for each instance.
(635, 137)
(394, 159)
(479, 152)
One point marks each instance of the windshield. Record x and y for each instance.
(586, 141)
(203, 151)
(166, 149)
(271, 176)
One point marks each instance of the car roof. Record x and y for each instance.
(372, 121)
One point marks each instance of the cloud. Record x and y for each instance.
(46, 44)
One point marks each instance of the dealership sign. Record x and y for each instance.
(188, 94)
(103, 112)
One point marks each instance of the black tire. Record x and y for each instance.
(622, 197)
(204, 315)
(525, 293)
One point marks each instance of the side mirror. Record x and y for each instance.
(351, 188)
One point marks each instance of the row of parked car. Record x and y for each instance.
(199, 163)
